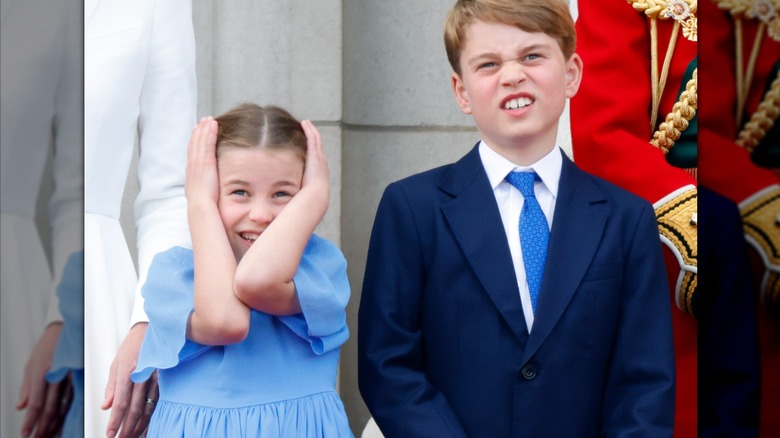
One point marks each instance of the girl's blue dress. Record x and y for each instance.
(69, 354)
(279, 382)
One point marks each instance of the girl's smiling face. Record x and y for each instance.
(254, 186)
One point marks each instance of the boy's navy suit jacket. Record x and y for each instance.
(442, 342)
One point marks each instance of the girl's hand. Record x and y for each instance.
(202, 182)
(315, 175)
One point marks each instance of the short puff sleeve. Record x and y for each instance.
(323, 291)
(168, 301)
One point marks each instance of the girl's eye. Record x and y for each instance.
(239, 192)
(280, 194)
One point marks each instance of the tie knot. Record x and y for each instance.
(523, 181)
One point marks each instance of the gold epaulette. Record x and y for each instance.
(761, 219)
(761, 222)
(687, 291)
(677, 224)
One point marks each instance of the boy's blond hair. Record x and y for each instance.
(548, 16)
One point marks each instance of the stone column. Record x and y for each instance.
(400, 118)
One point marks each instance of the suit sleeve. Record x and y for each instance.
(168, 103)
(640, 385)
(391, 365)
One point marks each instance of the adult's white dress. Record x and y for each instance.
(140, 88)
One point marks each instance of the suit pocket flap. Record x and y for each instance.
(602, 271)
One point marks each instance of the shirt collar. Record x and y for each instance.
(497, 167)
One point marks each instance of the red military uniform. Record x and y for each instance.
(728, 164)
(611, 134)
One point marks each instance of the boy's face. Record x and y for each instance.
(515, 84)
(254, 186)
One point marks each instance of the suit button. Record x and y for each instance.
(528, 372)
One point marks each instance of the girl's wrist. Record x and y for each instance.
(314, 200)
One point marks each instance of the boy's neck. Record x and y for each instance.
(522, 155)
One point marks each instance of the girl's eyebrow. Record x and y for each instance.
(241, 182)
(284, 183)
(236, 182)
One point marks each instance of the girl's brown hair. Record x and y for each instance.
(250, 126)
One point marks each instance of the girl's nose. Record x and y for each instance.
(261, 213)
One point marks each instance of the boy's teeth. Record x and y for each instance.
(249, 236)
(517, 103)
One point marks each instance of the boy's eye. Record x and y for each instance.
(490, 64)
(281, 194)
(533, 56)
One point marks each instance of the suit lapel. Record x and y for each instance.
(476, 224)
(578, 224)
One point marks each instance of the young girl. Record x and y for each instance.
(245, 328)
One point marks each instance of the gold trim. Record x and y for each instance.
(688, 288)
(771, 292)
(675, 222)
(678, 222)
(766, 11)
(677, 121)
(759, 220)
(683, 13)
(763, 119)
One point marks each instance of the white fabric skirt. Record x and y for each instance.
(109, 281)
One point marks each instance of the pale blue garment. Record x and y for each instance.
(279, 382)
(69, 353)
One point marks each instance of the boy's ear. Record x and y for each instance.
(461, 95)
(573, 74)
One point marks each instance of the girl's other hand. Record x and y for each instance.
(315, 175)
(202, 182)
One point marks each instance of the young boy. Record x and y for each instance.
(457, 335)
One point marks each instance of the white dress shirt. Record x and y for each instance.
(510, 203)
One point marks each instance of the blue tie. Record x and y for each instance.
(534, 233)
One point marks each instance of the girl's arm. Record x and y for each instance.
(264, 277)
(219, 317)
